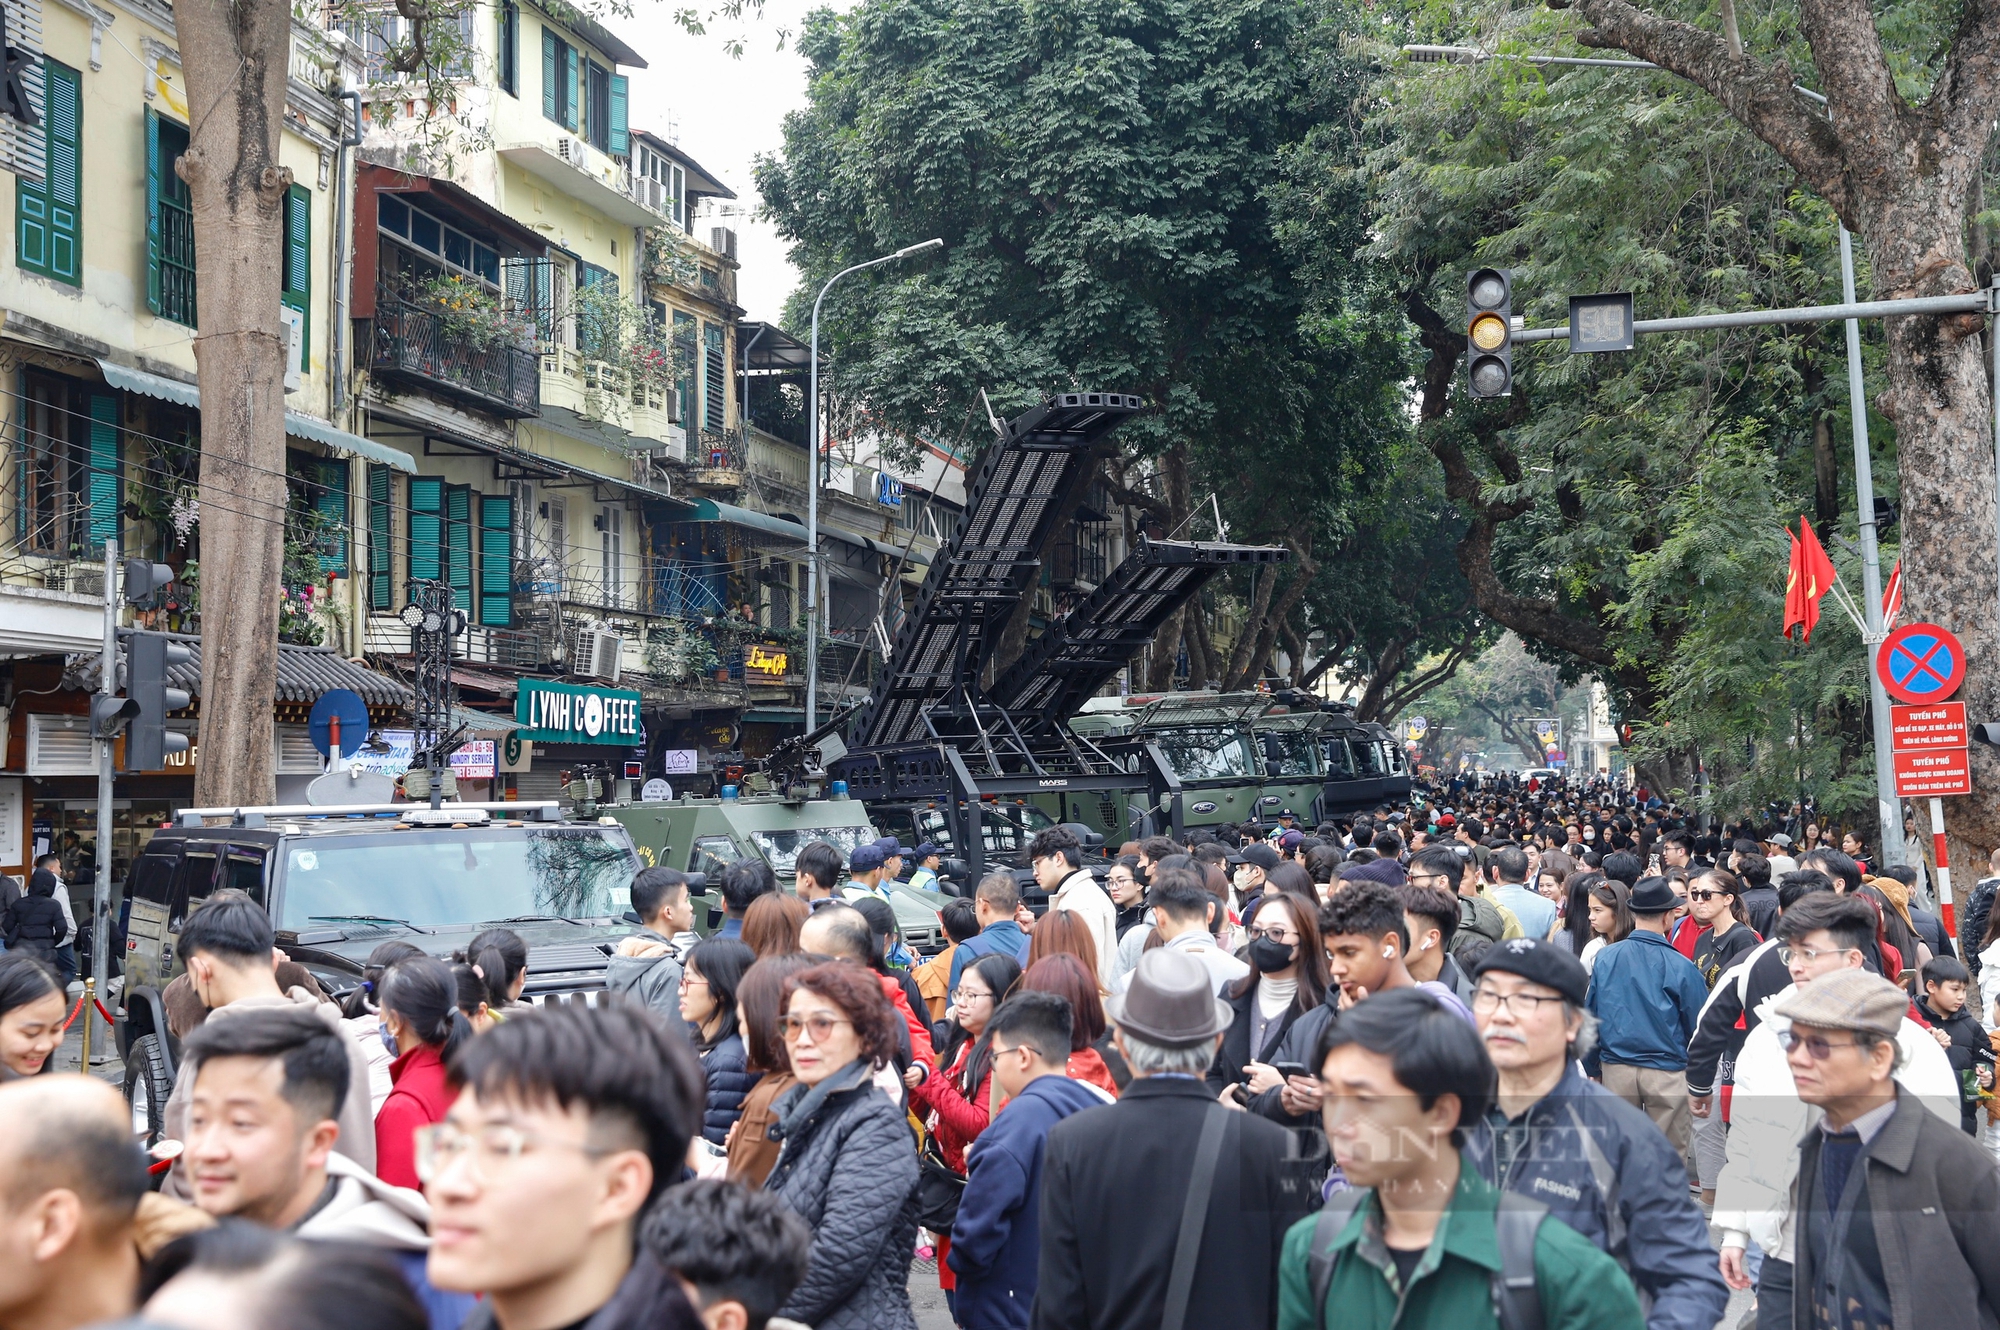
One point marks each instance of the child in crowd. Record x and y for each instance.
(1945, 982)
(737, 1253)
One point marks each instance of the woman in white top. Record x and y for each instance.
(1610, 920)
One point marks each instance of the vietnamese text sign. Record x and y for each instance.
(1933, 772)
(1939, 725)
(578, 714)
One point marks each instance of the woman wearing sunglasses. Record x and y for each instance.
(845, 1165)
(1715, 900)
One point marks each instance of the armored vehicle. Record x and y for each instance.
(340, 881)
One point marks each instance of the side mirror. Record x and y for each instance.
(953, 868)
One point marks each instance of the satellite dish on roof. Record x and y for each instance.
(352, 786)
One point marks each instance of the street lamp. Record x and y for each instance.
(812, 487)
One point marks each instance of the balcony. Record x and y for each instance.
(602, 394)
(410, 345)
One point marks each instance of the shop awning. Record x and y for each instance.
(301, 426)
(708, 510)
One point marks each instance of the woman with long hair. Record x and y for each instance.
(419, 1001)
(1287, 979)
(709, 982)
(1610, 919)
(1067, 977)
(760, 1015)
(31, 1016)
(360, 1012)
(1062, 933)
(1575, 924)
(771, 924)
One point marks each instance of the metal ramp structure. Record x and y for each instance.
(930, 731)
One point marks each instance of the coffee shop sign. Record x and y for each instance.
(568, 713)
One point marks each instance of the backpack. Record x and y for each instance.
(1517, 1304)
(1477, 918)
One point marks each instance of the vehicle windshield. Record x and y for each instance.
(1289, 753)
(1369, 754)
(433, 877)
(1205, 753)
(1339, 760)
(1003, 828)
(782, 848)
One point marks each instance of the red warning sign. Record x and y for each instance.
(1939, 725)
(1933, 772)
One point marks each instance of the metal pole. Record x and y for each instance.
(1887, 809)
(100, 896)
(813, 482)
(1972, 302)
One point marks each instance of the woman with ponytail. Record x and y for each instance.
(501, 957)
(419, 1002)
(361, 1013)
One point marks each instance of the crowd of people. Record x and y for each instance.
(1525, 1058)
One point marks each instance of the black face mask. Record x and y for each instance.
(1270, 956)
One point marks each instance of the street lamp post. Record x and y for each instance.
(813, 483)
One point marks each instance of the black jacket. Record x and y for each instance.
(649, 1298)
(1300, 1042)
(34, 925)
(729, 1081)
(848, 1167)
(1969, 1051)
(1717, 1037)
(1972, 922)
(1114, 1183)
(1761, 904)
(1227, 1069)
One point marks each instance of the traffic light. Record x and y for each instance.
(147, 657)
(109, 715)
(143, 580)
(1489, 332)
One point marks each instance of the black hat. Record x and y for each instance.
(1653, 895)
(1550, 964)
(1263, 856)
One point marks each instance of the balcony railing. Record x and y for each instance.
(411, 343)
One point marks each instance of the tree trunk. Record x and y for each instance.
(236, 58)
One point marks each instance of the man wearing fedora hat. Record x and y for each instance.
(1647, 1003)
(1165, 1208)
(1899, 1213)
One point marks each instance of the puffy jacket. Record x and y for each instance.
(1647, 998)
(1603, 1168)
(369, 1212)
(996, 1240)
(1753, 1195)
(1972, 923)
(920, 1029)
(1730, 1013)
(847, 1165)
(729, 1081)
(654, 980)
(1970, 1050)
(34, 925)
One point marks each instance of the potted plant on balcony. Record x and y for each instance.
(470, 313)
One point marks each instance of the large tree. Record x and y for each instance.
(1097, 171)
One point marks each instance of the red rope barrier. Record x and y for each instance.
(74, 1012)
(98, 1003)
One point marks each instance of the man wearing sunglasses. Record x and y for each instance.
(1820, 935)
(1898, 1212)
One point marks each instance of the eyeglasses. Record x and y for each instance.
(689, 979)
(821, 1027)
(1487, 999)
(1818, 1047)
(1811, 955)
(1275, 933)
(441, 1144)
(964, 994)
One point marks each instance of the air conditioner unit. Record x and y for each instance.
(606, 653)
(722, 240)
(569, 150)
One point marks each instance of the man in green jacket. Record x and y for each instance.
(1420, 1244)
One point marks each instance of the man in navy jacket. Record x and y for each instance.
(1647, 998)
(996, 1240)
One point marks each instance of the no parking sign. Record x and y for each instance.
(1921, 663)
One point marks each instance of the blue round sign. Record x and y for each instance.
(1921, 662)
(353, 714)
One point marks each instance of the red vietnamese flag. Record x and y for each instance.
(1795, 611)
(1816, 573)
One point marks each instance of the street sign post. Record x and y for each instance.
(1924, 664)
(1921, 663)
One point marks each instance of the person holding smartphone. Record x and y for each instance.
(1287, 979)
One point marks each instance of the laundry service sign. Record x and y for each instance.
(562, 713)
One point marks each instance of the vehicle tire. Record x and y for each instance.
(147, 1088)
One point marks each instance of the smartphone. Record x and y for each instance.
(1291, 1069)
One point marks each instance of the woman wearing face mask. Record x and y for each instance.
(1287, 979)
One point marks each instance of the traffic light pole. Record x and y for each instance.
(100, 898)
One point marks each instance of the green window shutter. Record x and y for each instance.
(331, 503)
(152, 210)
(496, 560)
(426, 528)
(104, 477)
(298, 262)
(458, 543)
(49, 227)
(684, 386)
(510, 48)
(621, 95)
(715, 377)
(381, 486)
(551, 108)
(570, 85)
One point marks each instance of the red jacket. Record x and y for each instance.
(421, 1096)
(1088, 1066)
(956, 1119)
(920, 1033)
